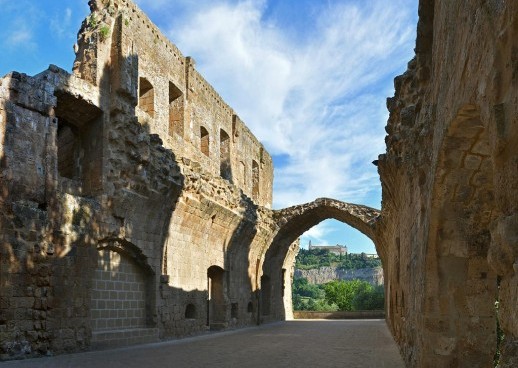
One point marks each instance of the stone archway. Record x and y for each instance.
(292, 223)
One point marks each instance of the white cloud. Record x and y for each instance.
(317, 235)
(313, 95)
(20, 35)
(319, 100)
(332, 232)
(60, 24)
(150, 3)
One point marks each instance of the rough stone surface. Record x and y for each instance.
(322, 275)
(447, 230)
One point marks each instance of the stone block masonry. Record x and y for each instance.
(134, 201)
(118, 294)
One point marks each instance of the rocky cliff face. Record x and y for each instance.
(326, 274)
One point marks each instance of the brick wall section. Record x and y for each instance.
(118, 293)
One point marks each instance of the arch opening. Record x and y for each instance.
(336, 269)
(120, 293)
(146, 100)
(216, 303)
(295, 221)
(234, 310)
(224, 155)
(204, 141)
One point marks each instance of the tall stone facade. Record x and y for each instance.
(134, 201)
(448, 231)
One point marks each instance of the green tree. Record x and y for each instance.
(339, 293)
(354, 295)
(368, 297)
(322, 306)
(303, 288)
(306, 296)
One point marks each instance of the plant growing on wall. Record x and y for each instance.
(92, 21)
(104, 32)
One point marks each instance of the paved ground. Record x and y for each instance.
(300, 343)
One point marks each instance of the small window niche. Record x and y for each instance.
(69, 142)
(79, 144)
(234, 310)
(242, 171)
(255, 180)
(190, 311)
(224, 153)
(204, 141)
(175, 111)
(146, 100)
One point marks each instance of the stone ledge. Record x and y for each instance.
(339, 315)
(116, 338)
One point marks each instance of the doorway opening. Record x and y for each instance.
(216, 306)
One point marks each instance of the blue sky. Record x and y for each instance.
(309, 77)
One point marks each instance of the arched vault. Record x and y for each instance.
(291, 223)
(294, 221)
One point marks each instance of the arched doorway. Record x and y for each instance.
(294, 221)
(265, 295)
(216, 305)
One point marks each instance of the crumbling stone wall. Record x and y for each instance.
(111, 215)
(447, 232)
(137, 53)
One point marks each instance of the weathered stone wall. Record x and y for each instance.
(134, 201)
(447, 233)
(115, 227)
(136, 53)
(52, 225)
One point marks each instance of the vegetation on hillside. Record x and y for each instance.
(316, 258)
(337, 295)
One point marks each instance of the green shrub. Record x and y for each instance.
(104, 32)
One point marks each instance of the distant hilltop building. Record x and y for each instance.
(337, 249)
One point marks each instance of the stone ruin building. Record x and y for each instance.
(135, 204)
(337, 249)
